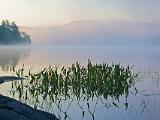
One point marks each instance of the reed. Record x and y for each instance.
(90, 81)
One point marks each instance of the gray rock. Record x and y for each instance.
(9, 78)
(11, 109)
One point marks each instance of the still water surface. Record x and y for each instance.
(142, 105)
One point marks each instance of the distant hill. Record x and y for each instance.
(10, 34)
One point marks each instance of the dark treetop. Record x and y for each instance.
(9, 34)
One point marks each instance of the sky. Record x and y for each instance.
(59, 12)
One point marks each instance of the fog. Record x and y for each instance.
(11, 55)
(90, 33)
(119, 41)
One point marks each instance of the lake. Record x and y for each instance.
(141, 103)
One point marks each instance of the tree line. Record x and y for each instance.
(10, 34)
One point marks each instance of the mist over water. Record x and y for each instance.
(118, 41)
(10, 56)
(37, 56)
(133, 43)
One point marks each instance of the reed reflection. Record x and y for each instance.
(11, 55)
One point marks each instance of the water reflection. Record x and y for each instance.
(145, 105)
(11, 55)
(84, 89)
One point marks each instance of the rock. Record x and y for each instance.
(9, 78)
(11, 109)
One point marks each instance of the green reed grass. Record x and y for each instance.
(77, 80)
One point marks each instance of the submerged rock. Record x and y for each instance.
(11, 109)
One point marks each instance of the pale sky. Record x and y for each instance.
(58, 12)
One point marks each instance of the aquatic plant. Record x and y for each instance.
(92, 80)
(76, 82)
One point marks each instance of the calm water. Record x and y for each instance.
(142, 105)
